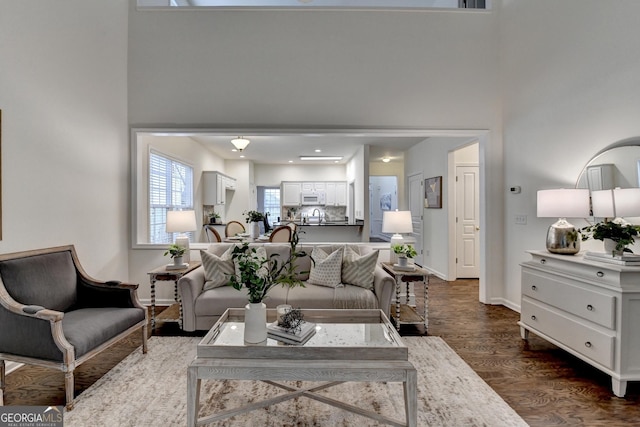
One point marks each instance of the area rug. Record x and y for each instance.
(151, 390)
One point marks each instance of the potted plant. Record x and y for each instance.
(176, 252)
(258, 274)
(254, 218)
(403, 251)
(616, 235)
(214, 217)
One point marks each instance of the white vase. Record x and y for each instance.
(402, 261)
(254, 230)
(177, 260)
(255, 322)
(610, 247)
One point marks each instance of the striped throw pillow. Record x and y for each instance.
(326, 268)
(217, 269)
(358, 270)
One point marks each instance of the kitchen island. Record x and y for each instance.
(330, 231)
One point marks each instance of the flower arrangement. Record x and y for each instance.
(175, 250)
(405, 250)
(214, 217)
(617, 230)
(253, 216)
(257, 275)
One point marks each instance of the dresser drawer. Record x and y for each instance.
(596, 345)
(598, 274)
(571, 296)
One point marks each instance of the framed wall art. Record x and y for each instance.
(433, 192)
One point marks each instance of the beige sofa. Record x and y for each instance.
(201, 308)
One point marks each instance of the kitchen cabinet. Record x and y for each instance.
(291, 193)
(588, 308)
(215, 186)
(336, 194)
(312, 187)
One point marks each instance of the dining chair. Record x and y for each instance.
(281, 234)
(292, 225)
(233, 228)
(212, 234)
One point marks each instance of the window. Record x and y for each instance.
(269, 202)
(170, 188)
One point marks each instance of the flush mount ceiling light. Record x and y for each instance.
(386, 159)
(320, 158)
(240, 143)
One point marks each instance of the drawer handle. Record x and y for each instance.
(600, 274)
(533, 318)
(534, 288)
(587, 344)
(590, 307)
(543, 261)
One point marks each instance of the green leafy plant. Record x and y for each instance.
(213, 215)
(258, 275)
(175, 250)
(622, 233)
(253, 216)
(404, 250)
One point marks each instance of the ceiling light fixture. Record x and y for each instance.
(240, 143)
(386, 159)
(320, 158)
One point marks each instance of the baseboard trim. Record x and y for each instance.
(12, 366)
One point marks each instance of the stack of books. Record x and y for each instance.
(301, 336)
(626, 258)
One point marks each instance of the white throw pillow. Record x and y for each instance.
(217, 269)
(327, 268)
(359, 270)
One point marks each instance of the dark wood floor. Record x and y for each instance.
(545, 385)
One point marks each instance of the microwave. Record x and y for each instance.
(313, 198)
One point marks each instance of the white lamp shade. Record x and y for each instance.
(627, 201)
(563, 203)
(619, 202)
(397, 222)
(181, 221)
(602, 203)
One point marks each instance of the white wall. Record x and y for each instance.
(65, 150)
(273, 175)
(430, 158)
(568, 91)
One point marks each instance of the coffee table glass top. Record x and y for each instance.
(338, 330)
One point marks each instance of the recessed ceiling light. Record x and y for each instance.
(234, 149)
(317, 150)
(290, 161)
(320, 158)
(242, 156)
(386, 159)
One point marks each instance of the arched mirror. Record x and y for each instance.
(616, 166)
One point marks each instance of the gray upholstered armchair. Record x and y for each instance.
(53, 314)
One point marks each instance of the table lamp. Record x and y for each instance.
(616, 203)
(396, 222)
(562, 237)
(182, 222)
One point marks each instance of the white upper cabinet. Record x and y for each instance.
(336, 194)
(291, 193)
(215, 186)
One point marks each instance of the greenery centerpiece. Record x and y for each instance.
(214, 217)
(254, 218)
(258, 273)
(617, 230)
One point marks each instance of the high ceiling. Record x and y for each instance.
(285, 149)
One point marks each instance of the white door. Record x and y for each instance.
(467, 222)
(416, 206)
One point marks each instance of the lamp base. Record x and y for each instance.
(396, 239)
(563, 238)
(184, 242)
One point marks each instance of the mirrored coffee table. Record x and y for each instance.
(349, 345)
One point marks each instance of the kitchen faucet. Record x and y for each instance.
(313, 214)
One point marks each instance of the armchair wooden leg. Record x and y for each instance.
(2, 383)
(69, 389)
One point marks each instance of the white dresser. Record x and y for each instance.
(588, 308)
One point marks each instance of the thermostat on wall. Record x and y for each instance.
(515, 189)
